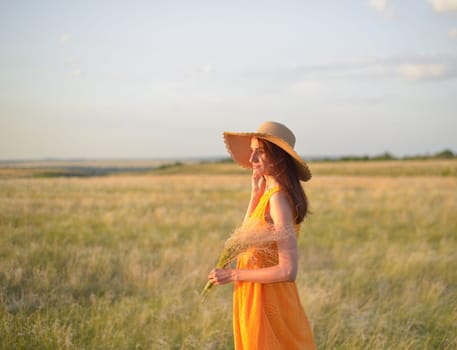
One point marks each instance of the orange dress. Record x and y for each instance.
(268, 316)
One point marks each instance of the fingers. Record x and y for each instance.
(220, 276)
(256, 173)
(258, 180)
(211, 275)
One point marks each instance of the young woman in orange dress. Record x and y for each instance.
(267, 311)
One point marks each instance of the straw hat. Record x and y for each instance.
(239, 145)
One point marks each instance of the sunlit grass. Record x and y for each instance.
(118, 262)
(377, 263)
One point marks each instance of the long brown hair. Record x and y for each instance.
(285, 172)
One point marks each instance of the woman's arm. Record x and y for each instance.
(286, 269)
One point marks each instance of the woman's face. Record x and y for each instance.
(259, 159)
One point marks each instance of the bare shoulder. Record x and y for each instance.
(279, 198)
(280, 206)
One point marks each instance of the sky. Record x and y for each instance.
(164, 79)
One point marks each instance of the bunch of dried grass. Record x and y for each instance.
(254, 235)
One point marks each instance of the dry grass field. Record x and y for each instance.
(117, 262)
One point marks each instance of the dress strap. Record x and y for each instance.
(259, 212)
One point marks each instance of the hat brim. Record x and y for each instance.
(238, 145)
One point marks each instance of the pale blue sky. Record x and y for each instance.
(164, 79)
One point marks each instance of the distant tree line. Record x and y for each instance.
(445, 154)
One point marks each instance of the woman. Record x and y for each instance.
(267, 312)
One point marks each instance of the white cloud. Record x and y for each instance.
(378, 5)
(444, 6)
(64, 38)
(198, 71)
(70, 60)
(206, 69)
(383, 7)
(452, 33)
(418, 67)
(76, 73)
(423, 71)
(307, 87)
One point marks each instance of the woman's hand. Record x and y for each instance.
(258, 182)
(222, 276)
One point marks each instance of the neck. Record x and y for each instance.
(270, 182)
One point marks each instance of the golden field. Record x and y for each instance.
(117, 262)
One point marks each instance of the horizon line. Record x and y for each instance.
(209, 158)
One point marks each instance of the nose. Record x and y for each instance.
(254, 158)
